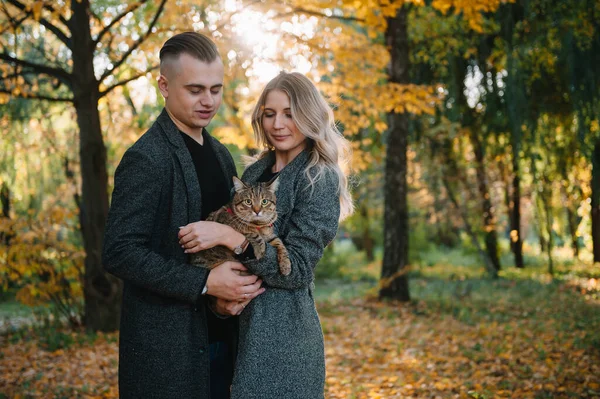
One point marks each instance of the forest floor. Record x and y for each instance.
(525, 335)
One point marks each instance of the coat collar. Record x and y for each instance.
(170, 129)
(253, 172)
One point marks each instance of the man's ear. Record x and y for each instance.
(163, 86)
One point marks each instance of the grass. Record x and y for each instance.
(11, 309)
(453, 282)
(14, 315)
(334, 290)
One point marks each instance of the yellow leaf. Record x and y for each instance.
(36, 9)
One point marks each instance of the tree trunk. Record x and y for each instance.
(596, 201)
(489, 266)
(506, 185)
(368, 242)
(540, 232)
(5, 237)
(571, 216)
(515, 215)
(450, 173)
(470, 120)
(446, 233)
(101, 291)
(515, 99)
(572, 222)
(546, 198)
(489, 223)
(5, 200)
(394, 281)
(363, 240)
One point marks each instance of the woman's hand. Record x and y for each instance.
(197, 236)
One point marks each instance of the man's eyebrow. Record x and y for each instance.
(199, 86)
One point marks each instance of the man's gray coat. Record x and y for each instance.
(163, 348)
(280, 352)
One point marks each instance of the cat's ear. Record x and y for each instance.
(238, 184)
(273, 184)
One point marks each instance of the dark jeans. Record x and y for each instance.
(221, 370)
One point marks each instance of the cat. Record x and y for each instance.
(252, 212)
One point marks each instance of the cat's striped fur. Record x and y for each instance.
(252, 212)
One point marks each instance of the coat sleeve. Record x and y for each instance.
(313, 224)
(127, 251)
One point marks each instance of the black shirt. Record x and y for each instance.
(215, 194)
(267, 175)
(213, 185)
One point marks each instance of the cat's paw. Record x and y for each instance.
(260, 249)
(285, 266)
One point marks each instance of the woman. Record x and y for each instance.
(280, 348)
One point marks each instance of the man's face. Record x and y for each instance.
(193, 91)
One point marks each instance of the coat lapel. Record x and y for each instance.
(185, 162)
(223, 161)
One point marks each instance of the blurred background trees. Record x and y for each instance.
(475, 126)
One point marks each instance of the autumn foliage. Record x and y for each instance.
(39, 258)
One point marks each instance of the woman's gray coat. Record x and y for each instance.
(163, 348)
(280, 352)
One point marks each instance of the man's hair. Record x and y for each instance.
(195, 44)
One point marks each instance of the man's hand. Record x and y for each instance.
(225, 282)
(229, 308)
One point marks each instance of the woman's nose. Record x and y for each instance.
(278, 124)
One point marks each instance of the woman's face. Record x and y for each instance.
(277, 122)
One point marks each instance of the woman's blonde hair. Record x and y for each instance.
(313, 117)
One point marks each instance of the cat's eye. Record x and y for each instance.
(247, 202)
(264, 202)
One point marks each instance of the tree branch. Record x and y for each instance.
(137, 43)
(37, 68)
(14, 25)
(12, 22)
(112, 23)
(124, 82)
(52, 28)
(227, 18)
(60, 17)
(37, 97)
(318, 14)
(44, 54)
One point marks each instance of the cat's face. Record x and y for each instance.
(255, 204)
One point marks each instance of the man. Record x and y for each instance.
(174, 175)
